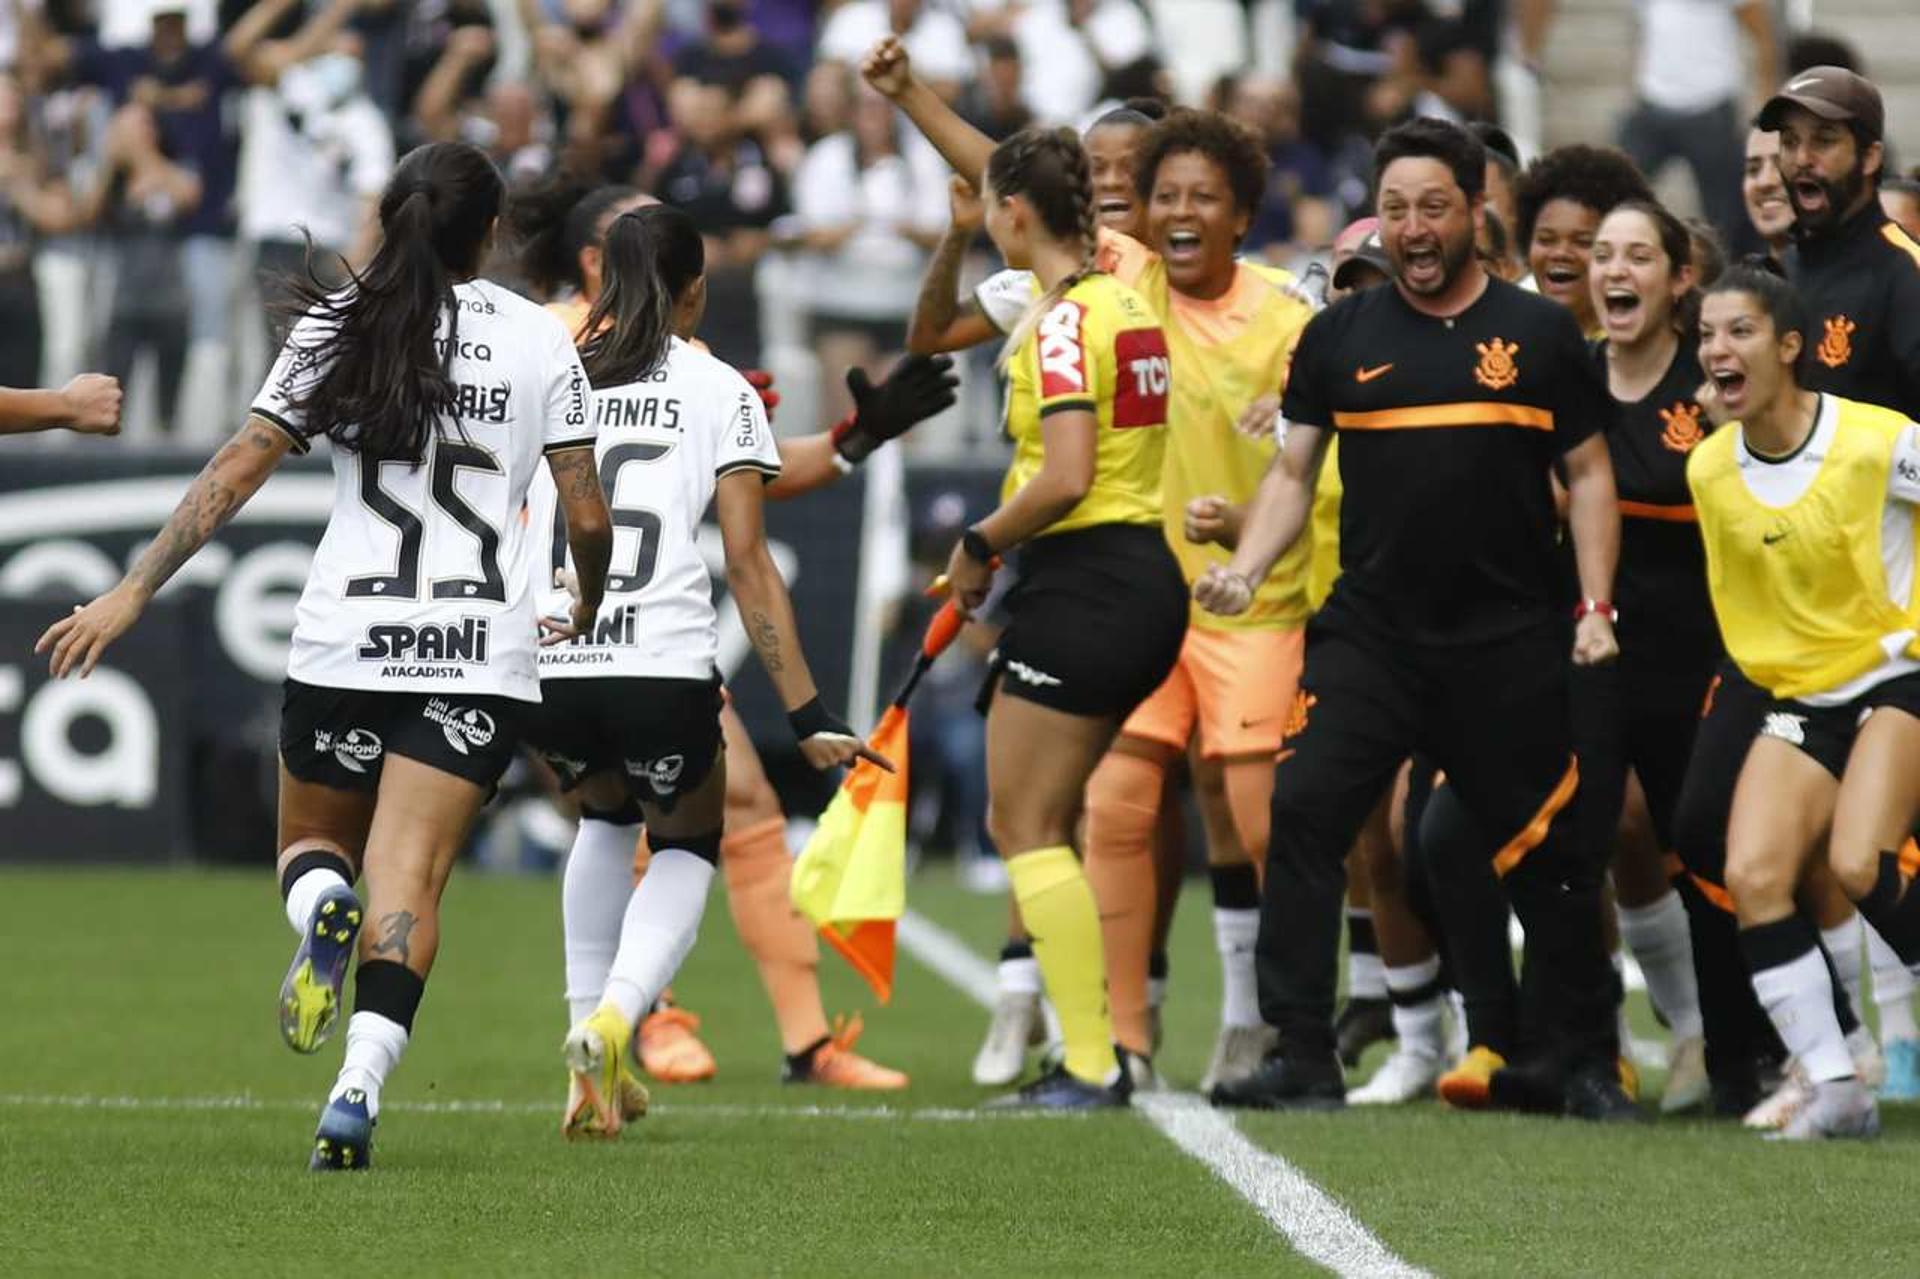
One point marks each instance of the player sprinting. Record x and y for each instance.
(413, 659)
(564, 229)
(633, 711)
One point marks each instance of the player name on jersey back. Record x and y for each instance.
(420, 580)
(663, 444)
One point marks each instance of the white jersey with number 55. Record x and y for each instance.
(420, 581)
(663, 443)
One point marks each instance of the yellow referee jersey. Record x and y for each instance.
(1099, 349)
(1801, 591)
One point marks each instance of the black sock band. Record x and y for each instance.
(1884, 897)
(1777, 944)
(390, 989)
(706, 847)
(1019, 948)
(313, 859)
(1235, 887)
(1418, 995)
(1157, 966)
(1361, 939)
(626, 814)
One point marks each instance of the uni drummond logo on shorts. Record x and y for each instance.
(464, 727)
(662, 774)
(1791, 729)
(352, 750)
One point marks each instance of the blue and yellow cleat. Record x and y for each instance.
(310, 994)
(1903, 1071)
(344, 1140)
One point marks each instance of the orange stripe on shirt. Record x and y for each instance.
(1900, 240)
(1421, 416)
(1683, 514)
(1517, 848)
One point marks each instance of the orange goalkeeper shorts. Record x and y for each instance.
(1234, 688)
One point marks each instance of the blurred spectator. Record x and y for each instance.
(1494, 248)
(185, 88)
(508, 119)
(829, 101)
(316, 152)
(1819, 49)
(868, 203)
(33, 203)
(1687, 94)
(935, 39)
(1450, 74)
(725, 181)
(1899, 197)
(1347, 51)
(1503, 169)
(600, 61)
(1069, 49)
(142, 204)
(995, 105)
(1299, 212)
(732, 52)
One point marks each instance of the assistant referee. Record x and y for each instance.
(1447, 632)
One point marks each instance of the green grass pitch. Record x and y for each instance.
(135, 1004)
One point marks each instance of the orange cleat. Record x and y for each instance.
(669, 1048)
(1469, 1085)
(834, 1064)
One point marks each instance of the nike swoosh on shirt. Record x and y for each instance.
(1367, 375)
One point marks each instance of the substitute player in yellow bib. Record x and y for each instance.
(1806, 507)
(1099, 609)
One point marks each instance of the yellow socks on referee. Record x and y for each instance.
(1057, 905)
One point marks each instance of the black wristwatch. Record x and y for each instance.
(977, 547)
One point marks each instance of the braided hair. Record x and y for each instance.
(1050, 168)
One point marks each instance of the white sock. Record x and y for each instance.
(1892, 989)
(1798, 996)
(1156, 992)
(1020, 976)
(1846, 944)
(1366, 971)
(1233, 935)
(1418, 1026)
(1657, 935)
(305, 895)
(594, 891)
(662, 920)
(374, 1045)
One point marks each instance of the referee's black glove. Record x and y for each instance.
(915, 389)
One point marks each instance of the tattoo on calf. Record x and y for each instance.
(398, 928)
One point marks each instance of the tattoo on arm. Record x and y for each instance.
(939, 299)
(208, 504)
(574, 473)
(398, 928)
(766, 642)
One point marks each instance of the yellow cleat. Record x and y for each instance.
(834, 1064)
(1629, 1078)
(592, 1050)
(670, 1049)
(1469, 1085)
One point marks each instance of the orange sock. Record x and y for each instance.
(1123, 799)
(758, 866)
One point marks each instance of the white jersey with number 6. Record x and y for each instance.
(420, 581)
(663, 444)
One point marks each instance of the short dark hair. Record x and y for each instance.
(1761, 280)
(1219, 138)
(1595, 177)
(1427, 138)
(1818, 49)
(1138, 113)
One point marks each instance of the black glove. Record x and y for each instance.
(813, 719)
(918, 387)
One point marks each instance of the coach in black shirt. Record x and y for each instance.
(1454, 393)
(1856, 270)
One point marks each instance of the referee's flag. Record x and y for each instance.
(851, 878)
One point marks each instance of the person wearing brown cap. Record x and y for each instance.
(1856, 270)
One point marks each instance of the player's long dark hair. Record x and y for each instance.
(556, 219)
(1761, 280)
(652, 257)
(1049, 168)
(387, 378)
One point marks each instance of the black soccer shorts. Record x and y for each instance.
(341, 737)
(661, 735)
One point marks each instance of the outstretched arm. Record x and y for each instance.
(961, 145)
(90, 404)
(223, 486)
(942, 320)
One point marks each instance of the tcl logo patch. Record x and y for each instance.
(1145, 378)
(1063, 359)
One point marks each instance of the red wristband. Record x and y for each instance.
(1603, 607)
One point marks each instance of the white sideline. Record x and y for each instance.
(1316, 1224)
(485, 1106)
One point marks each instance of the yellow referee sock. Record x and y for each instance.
(1058, 908)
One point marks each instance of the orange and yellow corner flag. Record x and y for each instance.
(851, 878)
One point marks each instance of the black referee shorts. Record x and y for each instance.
(661, 735)
(1095, 621)
(341, 737)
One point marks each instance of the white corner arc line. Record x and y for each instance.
(1318, 1226)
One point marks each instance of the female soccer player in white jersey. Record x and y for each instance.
(632, 710)
(412, 669)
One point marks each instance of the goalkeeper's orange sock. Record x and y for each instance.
(1058, 908)
(1123, 801)
(758, 868)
